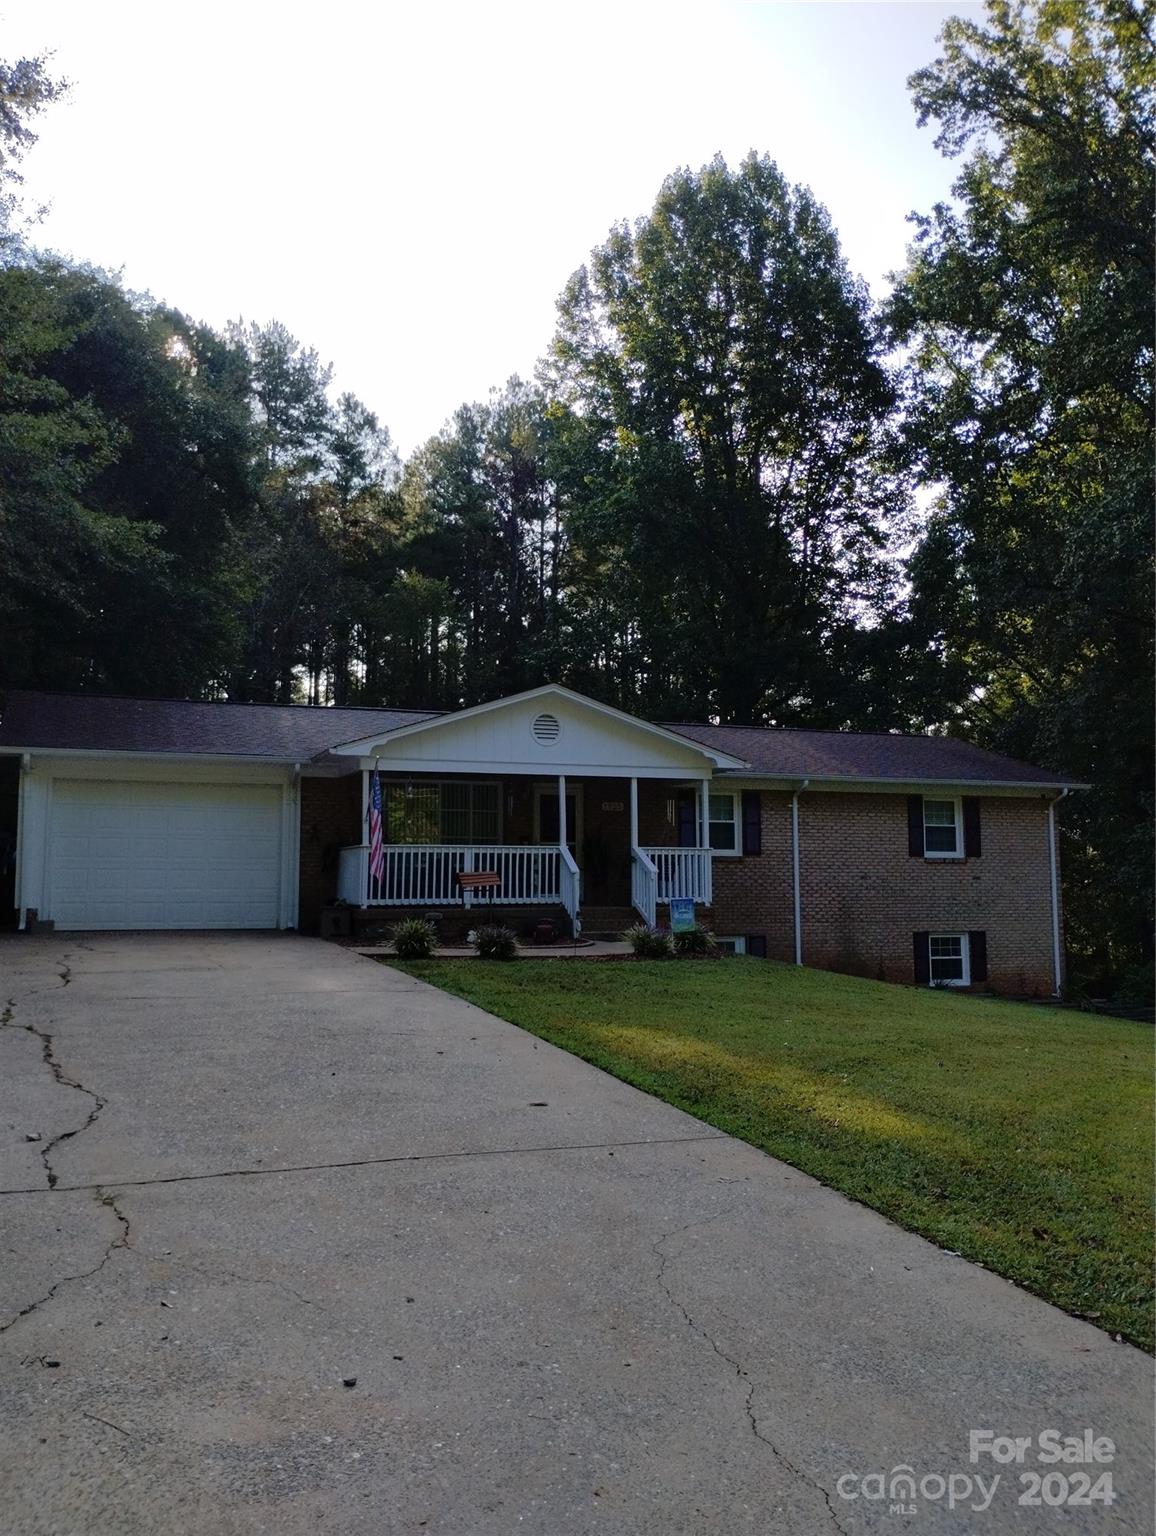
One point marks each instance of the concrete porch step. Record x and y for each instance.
(607, 922)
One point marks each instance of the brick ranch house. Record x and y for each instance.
(909, 858)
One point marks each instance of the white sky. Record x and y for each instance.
(408, 187)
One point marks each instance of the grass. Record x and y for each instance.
(1019, 1136)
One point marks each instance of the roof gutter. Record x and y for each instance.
(795, 871)
(132, 754)
(1053, 872)
(864, 781)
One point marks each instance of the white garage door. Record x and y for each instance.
(124, 855)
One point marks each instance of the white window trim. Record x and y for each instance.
(735, 797)
(965, 956)
(957, 802)
(737, 939)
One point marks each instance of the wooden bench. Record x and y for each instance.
(470, 881)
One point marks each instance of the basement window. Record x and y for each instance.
(734, 944)
(948, 956)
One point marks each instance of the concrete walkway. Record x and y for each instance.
(266, 1165)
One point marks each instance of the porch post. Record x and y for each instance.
(633, 813)
(561, 810)
(706, 896)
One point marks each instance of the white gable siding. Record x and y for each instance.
(501, 740)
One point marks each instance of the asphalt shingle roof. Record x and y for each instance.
(300, 733)
(863, 755)
(282, 732)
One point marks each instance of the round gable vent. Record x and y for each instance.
(546, 729)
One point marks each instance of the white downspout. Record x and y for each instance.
(1057, 958)
(18, 891)
(795, 871)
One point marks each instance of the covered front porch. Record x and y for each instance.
(547, 799)
(596, 841)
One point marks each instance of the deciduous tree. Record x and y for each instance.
(1027, 309)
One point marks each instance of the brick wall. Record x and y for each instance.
(753, 894)
(330, 820)
(864, 895)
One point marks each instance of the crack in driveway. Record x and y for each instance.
(48, 1055)
(118, 1243)
(744, 1376)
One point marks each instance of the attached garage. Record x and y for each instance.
(163, 855)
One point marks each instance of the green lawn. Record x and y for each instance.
(1019, 1136)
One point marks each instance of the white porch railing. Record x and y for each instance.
(681, 872)
(643, 885)
(570, 884)
(426, 875)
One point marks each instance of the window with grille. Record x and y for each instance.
(941, 829)
(449, 812)
(947, 953)
(723, 822)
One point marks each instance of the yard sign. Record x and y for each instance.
(681, 914)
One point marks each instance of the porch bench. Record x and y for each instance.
(470, 881)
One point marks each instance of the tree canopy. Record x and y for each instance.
(1027, 310)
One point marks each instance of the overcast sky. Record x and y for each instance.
(408, 187)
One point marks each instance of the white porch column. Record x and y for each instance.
(704, 828)
(634, 813)
(562, 810)
(365, 889)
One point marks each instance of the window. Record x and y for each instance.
(942, 830)
(723, 817)
(948, 956)
(450, 812)
(736, 945)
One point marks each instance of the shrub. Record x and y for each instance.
(696, 941)
(494, 942)
(1137, 985)
(648, 943)
(414, 939)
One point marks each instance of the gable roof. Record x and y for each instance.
(286, 733)
(874, 757)
(546, 693)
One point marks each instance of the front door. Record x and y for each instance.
(546, 819)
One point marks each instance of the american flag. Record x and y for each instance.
(376, 848)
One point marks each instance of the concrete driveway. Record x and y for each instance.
(266, 1165)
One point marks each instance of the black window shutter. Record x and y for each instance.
(977, 954)
(922, 958)
(687, 819)
(915, 826)
(757, 945)
(752, 821)
(971, 837)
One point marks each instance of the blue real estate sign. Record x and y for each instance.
(681, 914)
